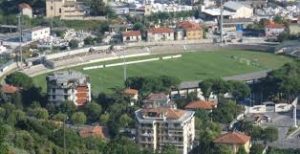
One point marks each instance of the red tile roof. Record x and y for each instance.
(205, 105)
(82, 95)
(156, 96)
(274, 26)
(169, 113)
(131, 33)
(130, 91)
(160, 30)
(232, 138)
(24, 5)
(96, 131)
(188, 25)
(9, 89)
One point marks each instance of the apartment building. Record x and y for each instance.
(158, 127)
(65, 9)
(68, 86)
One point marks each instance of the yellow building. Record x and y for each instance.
(64, 9)
(192, 31)
(235, 140)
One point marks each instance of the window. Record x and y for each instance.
(51, 7)
(59, 10)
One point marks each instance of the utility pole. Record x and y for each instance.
(221, 22)
(20, 40)
(64, 135)
(125, 69)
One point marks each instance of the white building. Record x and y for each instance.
(157, 7)
(36, 33)
(158, 127)
(239, 10)
(132, 36)
(160, 34)
(68, 86)
(2, 47)
(25, 9)
(272, 30)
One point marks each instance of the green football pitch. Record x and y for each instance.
(191, 66)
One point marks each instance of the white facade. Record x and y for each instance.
(166, 36)
(27, 12)
(239, 10)
(68, 86)
(37, 33)
(155, 132)
(2, 48)
(273, 31)
(132, 38)
(157, 7)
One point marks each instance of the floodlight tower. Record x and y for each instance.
(20, 40)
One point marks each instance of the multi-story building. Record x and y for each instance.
(65, 9)
(36, 33)
(160, 34)
(68, 86)
(159, 127)
(192, 31)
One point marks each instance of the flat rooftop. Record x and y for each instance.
(65, 76)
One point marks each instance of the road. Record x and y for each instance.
(241, 77)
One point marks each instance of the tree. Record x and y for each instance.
(67, 107)
(40, 113)
(19, 79)
(3, 148)
(16, 99)
(239, 90)
(89, 41)
(278, 19)
(73, 44)
(270, 134)
(241, 150)
(256, 149)
(93, 111)
(78, 118)
(206, 87)
(224, 149)
(98, 8)
(59, 116)
(225, 112)
(122, 145)
(104, 118)
(169, 149)
(125, 120)
(138, 26)
(283, 83)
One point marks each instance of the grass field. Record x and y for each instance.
(191, 66)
